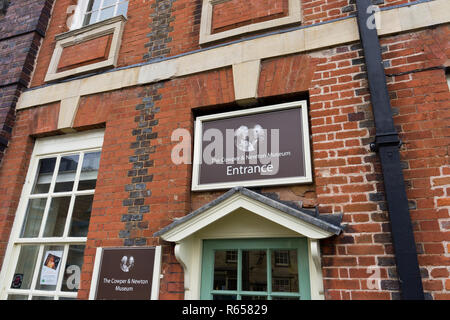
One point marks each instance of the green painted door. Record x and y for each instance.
(255, 269)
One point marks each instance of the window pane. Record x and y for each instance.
(225, 271)
(81, 215)
(90, 18)
(17, 297)
(44, 177)
(25, 267)
(106, 13)
(107, 3)
(57, 215)
(254, 270)
(66, 173)
(71, 280)
(42, 298)
(49, 268)
(284, 271)
(282, 258)
(122, 9)
(89, 171)
(93, 5)
(33, 218)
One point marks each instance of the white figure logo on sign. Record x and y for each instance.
(126, 264)
(247, 139)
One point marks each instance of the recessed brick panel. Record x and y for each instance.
(88, 52)
(236, 13)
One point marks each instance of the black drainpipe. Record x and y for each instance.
(387, 144)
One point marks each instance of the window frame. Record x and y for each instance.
(447, 75)
(59, 146)
(269, 244)
(81, 12)
(279, 260)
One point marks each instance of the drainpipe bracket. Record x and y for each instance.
(383, 140)
(3, 142)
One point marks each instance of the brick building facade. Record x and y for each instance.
(22, 26)
(126, 79)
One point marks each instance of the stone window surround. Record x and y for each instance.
(112, 26)
(294, 15)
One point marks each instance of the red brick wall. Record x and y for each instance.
(118, 217)
(348, 175)
(421, 98)
(315, 11)
(35, 121)
(57, 25)
(21, 29)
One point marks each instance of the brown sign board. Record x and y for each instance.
(261, 146)
(126, 274)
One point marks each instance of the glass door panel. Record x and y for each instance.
(255, 269)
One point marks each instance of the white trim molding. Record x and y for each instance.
(156, 273)
(239, 201)
(315, 269)
(113, 26)
(95, 273)
(206, 35)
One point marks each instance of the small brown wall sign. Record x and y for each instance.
(127, 273)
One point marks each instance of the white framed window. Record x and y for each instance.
(282, 258)
(231, 256)
(91, 11)
(46, 249)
